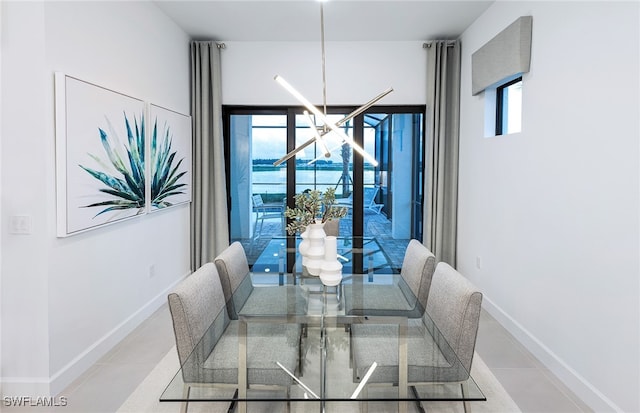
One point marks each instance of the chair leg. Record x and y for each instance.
(288, 400)
(255, 230)
(465, 393)
(260, 230)
(300, 356)
(186, 390)
(350, 349)
(233, 404)
(417, 396)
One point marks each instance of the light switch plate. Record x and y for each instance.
(21, 224)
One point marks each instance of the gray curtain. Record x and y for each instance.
(209, 221)
(441, 177)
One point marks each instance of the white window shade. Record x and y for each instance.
(507, 54)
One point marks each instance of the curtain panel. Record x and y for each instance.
(209, 221)
(443, 124)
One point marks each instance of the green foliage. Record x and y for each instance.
(311, 206)
(164, 174)
(127, 184)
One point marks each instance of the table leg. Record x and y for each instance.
(403, 368)
(323, 351)
(242, 366)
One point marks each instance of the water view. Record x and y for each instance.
(270, 182)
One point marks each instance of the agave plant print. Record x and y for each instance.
(120, 169)
(100, 155)
(170, 158)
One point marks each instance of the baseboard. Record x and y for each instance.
(66, 375)
(26, 386)
(574, 381)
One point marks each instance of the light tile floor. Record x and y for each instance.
(529, 383)
(107, 384)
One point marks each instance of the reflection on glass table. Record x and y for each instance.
(358, 255)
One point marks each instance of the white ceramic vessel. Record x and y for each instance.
(315, 252)
(331, 268)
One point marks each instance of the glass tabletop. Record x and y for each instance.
(358, 255)
(298, 342)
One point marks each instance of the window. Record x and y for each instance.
(509, 107)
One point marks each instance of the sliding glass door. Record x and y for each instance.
(384, 200)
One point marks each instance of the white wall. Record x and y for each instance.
(1, 42)
(65, 302)
(553, 211)
(356, 72)
(25, 350)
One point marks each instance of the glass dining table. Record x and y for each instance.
(325, 377)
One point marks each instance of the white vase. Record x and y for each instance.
(303, 247)
(315, 252)
(331, 271)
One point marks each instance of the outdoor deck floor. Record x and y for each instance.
(376, 226)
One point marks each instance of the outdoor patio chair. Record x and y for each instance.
(266, 211)
(369, 200)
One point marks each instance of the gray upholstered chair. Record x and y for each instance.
(240, 292)
(440, 346)
(416, 273)
(207, 339)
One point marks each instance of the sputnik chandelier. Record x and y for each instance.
(328, 126)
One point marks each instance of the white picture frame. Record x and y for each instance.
(170, 159)
(100, 168)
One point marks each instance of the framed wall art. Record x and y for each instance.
(169, 150)
(100, 156)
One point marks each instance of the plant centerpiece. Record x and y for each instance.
(312, 210)
(313, 206)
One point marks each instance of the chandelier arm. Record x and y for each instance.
(293, 152)
(325, 120)
(311, 162)
(361, 109)
(364, 107)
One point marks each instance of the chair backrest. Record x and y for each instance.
(257, 201)
(195, 304)
(235, 277)
(417, 271)
(454, 306)
(369, 196)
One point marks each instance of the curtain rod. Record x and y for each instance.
(450, 43)
(425, 45)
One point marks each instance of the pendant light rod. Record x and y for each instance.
(316, 136)
(324, 72)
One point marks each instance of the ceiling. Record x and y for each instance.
(345, 20)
